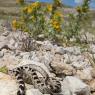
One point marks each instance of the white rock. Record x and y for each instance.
(73, 50)
(29, 56)
(46, 59)
(8, 86)
(92, 85)
(73, 58)
(33, 92)
(63, 69)
(34, 56)
(74, 86)
(67, 59)
(6, 33)
(92, 48)
(47, 45)
(14, 40)
(60, 50)
(26, 55)
(9, 60)
(85, 74)
(80, 65)
(1, 54)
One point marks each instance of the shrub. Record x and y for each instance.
(4, 69)
(37, 19)
(76, 22)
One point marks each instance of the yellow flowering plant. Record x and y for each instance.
(48, 20)
(21, 2)
(77, 21)
(14, 24)
(33, 19)
(49, 8)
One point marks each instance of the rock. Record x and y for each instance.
(41, 37)
(63, 69)
(34, 57)
(27, 55)
(93, 93)
(33, 92)
(8, 86)
(16, 41)
(46, 45)
(6, 33)
(92, 85)
(74, 86)
(67, 59)
(37, 56)
(84, 74)
(92, 48)
(9, 60)
(93, 72)
(1, 54)
(46, 58)
(79, 65)
(73, 50)
(3, 41)
(50, 57)
(70, 59)
(57, 58)
(59, 50)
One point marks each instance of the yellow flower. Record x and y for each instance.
(14, 24)
(58, 14)
(29, 9)
(57, 3)
(56, 25)
(49, 8)
(79, 9)
(20, 1)
(25, 9)
(32, 7)
(35, 4)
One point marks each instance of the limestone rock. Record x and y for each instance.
(63, 69)
(1, 54)
(92, 48)
(73, 50)
(46, 45)
(60, 50)
(92, 85)
(8, 86)
(74, 86)
(84, 74)
(16, 40)
(93, 73)
(33, 92)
